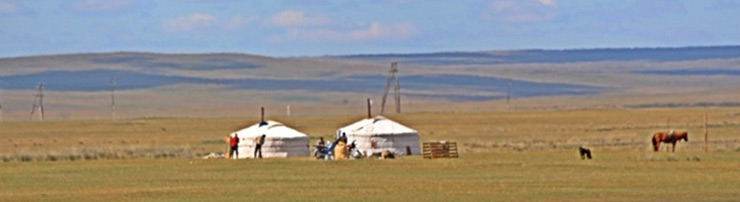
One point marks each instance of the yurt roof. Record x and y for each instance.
(271, 129)
(376, 125)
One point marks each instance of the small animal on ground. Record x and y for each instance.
(585, 152)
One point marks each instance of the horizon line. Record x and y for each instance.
(369, 54)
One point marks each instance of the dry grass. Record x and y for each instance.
(100, 153)
(615, 129)
(506, 176)
(506, 156)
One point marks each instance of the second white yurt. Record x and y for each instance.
(280, 141)
(373, 135)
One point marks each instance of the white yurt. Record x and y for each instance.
(373, 135)
(280, 141)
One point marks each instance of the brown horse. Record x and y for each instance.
(669, 138)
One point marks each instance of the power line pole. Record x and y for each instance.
(397, 95)
(392, 80)
(38, 102)
(113, 97)
(508, 92)
(287, 110)
(1, 110)
(706, 136)
(369, 114)
(668, 123)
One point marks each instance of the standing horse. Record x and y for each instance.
(669, 138)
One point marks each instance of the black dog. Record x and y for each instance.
(585, 152)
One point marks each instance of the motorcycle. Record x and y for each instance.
(354, 152)
(324, 152)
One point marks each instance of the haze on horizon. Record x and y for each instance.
(303, 28)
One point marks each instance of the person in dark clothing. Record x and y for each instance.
(320, 144)
(259, 141)
(320, 148)
(234, 143)
(342, 138)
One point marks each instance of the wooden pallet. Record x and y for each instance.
(432, 150)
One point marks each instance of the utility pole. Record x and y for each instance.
(392, 80)
(398, 96)
(38, 103)
(706, 136)
(508, 92)
(369, 114)
(1, 111)
(668, 123)
(113, 98)
(41, 101)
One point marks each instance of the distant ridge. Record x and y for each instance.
(143, 53)
(176, 81)
(558, 56)
(514, 56)
(542, 50)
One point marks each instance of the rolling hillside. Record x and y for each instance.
(560, 56)
(151, 84)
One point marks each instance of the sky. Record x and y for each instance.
(316, 28)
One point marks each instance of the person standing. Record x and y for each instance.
(320, 142)
(259, 141)
(320, 146)
(340, 151)
(234, 143)
(342, 138)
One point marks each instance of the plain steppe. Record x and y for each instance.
(506, 156)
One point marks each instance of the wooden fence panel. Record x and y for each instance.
(432, 150)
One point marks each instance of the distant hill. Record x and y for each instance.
(487, 88)
(558, 56)
(132, 71)
(168, 83)
(92, 72)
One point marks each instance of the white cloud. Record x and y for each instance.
(236, 22)
(300, 26)
(547, 2)
(296, 19)
(379, 31)
(101, 6)
(8, 8)
(200, 21)
(189, 22)
(376, 31)
(521, 11)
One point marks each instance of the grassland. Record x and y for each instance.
(527, 176)
(506, 156)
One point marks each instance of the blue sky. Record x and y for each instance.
(313, 28)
